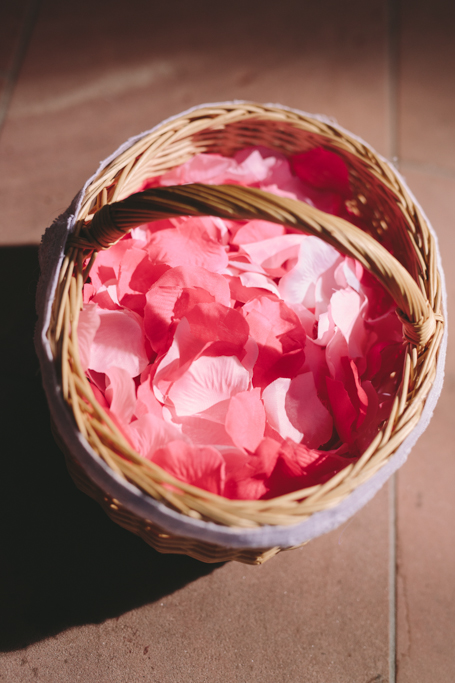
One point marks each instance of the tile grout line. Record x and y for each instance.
(393, 36)
(392, 577)
(392, 78)
(18, 58)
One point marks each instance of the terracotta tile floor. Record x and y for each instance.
(81, 598)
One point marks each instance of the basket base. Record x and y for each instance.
(152, 534)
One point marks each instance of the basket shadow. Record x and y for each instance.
(64, 563)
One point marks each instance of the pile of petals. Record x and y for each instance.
(243, 358)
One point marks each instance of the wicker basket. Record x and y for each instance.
(135, 492)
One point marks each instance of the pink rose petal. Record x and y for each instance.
(137, 274)
(336, 349)
(280, 338)
(246, 475)
(215, 228)
(274, 397)
(314, 259)
(273, 252)
(99, 396)
(121, 393)
(107, 263)
(259, 281)
(202, 168)
(200, 466)
(241, 293)
(118, 342)
(344, 309)
(88, 292)
(326, 329)
(147, 401)
(203, 431)
(306, 412)
(208, 380)
(213, 322)
(188, 245)
(257, 231)
(163, 296)
(149, 433)
(89, 322)
(253, 168)
(106, 297)
(245, 419)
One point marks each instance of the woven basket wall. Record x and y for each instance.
(380, 197)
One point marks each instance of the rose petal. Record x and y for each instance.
(147, 401)
(216, 228)
(344, 413)
(121, 393)
(89, 322)
(107, 296)
(202, 168)
(344, 309)
(188, 245)
(88, 292)
(259, 281)
(299, 467)
(245, 419)
(314, 259)
(306, 412)
(280, 338)
(214, 322)
(242, 294)
(370, 425)
(323, 170)
(246, 475)
(203, 431)
(107, 263)
(137, 275)
(274, 397)
(257, 231)
(349, 273)
(149, 432)
(326, 329)
(118, 342)
(358, 395)
(208, 380)
(201, 466)
(273, 252)
(163, 296)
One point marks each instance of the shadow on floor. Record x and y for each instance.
(63, 562)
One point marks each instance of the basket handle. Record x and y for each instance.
(113, 221)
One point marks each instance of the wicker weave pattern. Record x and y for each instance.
(153, 534)
(379, 197)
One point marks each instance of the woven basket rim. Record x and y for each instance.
(144, 505)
